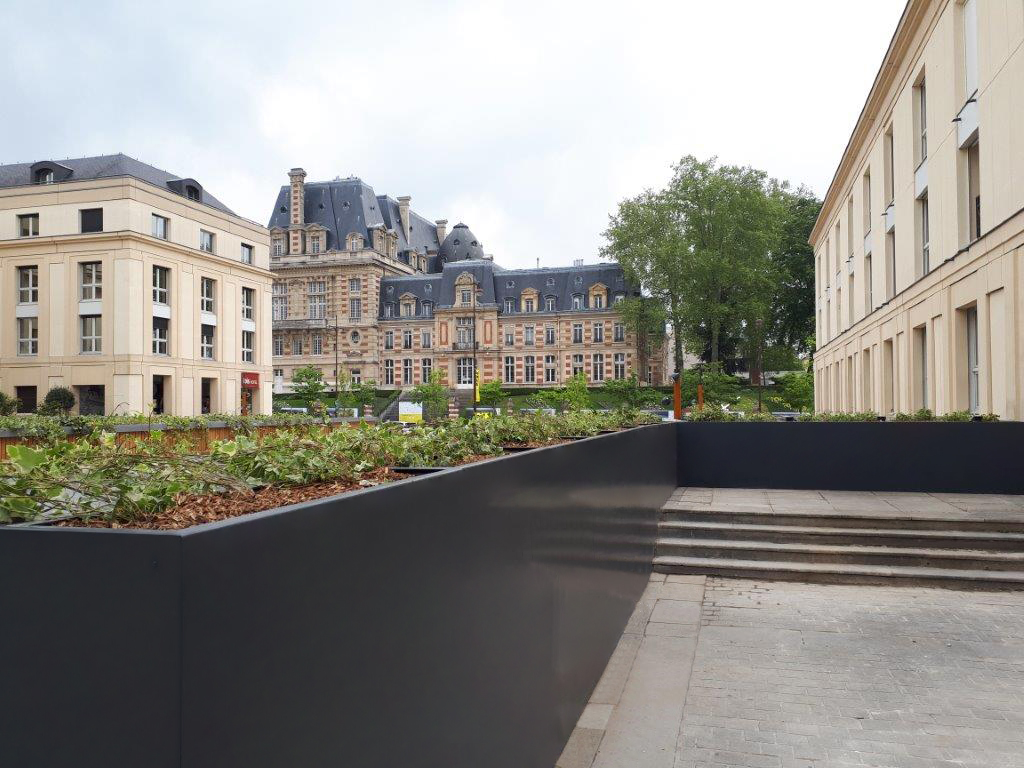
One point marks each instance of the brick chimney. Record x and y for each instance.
(403, 214)
(297, 217)
(442, 229)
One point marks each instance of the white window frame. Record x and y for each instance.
(407, 370)
(550, 369)
(597, 331)
(207, 295)
(577, 333)
(91, 327)
(248, 253)
(619, 332)
(28, 336)
(355, 309)
(389, 339)
(510, 369)
(278, 345)
(28, 294)
(619, 365)
(161, 338)
(389, 372)
(426, 368)
(529, 335)
(207, 241)
(248, 303)
(550, 335)
(426, 340)
(577, 364)
(597, 366)
(32, 219)
(161, 285)
(160, 227)
(529, 369)
(90, 280)
(317, 344)
(207, 341)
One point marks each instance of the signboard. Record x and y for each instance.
(250, 380)
(410, 413)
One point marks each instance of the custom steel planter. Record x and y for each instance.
(461, 618)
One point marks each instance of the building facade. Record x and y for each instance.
(364, 283)
(135, 288)
(920, 243)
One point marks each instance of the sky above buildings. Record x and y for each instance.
(527, 120)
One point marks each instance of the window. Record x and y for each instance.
(44, 176)
(426, 340)
(620, 365)
(278, 345)
(92, 333)
(316, 292)
(408, 308)
(28, 225)
(974, 191)
(465, 296)
(91, 219)
(921, 365)
(925, 247)
(890, 191)
(279, 373)
(389, 310)
(279, 303)
(317, 344)
(577, 365)
(28, 285)
(389, 339)
(27, 398)
(549, 334)
(973, 373)
(160, 336)
(278, 248)
(389, 372)
(598, 301)
(529, 369)
(528, 305)
(315, 243)
(428, 308)
(577, 301)
(28, 335)
(207, 291)
(510, 306)
(192, 193)
(465, 368)
(970, 26)
(355, 309)
(529, 336)
(407, 371)
(464, 330)
(510, 370)
(597, 369)
(618, 298)
(922, 121)
(248, 345)
(92, 281)
(205, 241)
(407, 339)
(357, 376)
(510, 336)
(867, 202)
(354, 337)
(577, 333)
(355, 285)
(247, 252)
(161, 285)
(869, 299)
(618, 332)
(550, 371)
(248, 303)
(160, 226)
(296, 345)
(598, 332)
(206, 338)
(426, 368)
(549, 304)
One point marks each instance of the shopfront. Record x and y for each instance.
(250, 384)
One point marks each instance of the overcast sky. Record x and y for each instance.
(527, 120)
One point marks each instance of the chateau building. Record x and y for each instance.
(920, 243)
(134, 287)
(364, 282)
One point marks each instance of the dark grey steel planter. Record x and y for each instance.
(458, 619)
(935, 457)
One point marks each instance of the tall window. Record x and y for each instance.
(510, 369)
(296, 345)
(598, 367)
(389, 339)
(464, 330)
(619, 332)
(974, 190)
(598, 301)
(28, 335)
(925, 238)
(160, 336)
(407, 371)
(315, 243)
(408, 308)
(355, 309)
(160, 226)
(973, 372)
(577, 333)
(28, 225)
(426, 340)
(278, 345)
(528, 305)
(867, 201)
(92, 333)
(205, 241)
(970, 25)
(427, 367)
(598, 330)
(248, 345)
(207, 293)
(577, 301)
(407, 339)
(869, 299)
(91, 220)
(428, 308)
(890, 189)
(529, 369)
(248, 303)
(510, 336)
(279, 303)
(161, 285)
(549, 304)
(550, 369)
(922, 121)
(206, 339)
(92, 281)
(466, 296)
(278, 248)
(549, 334)
(921, 366)
(529, 335)
(577, 365)
(28, 285)
(510, 306)
(317, 299)
(389, 372)
(355, 285)
(620, 365)
(247, 253)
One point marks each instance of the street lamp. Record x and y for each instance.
(477, 293)
(759, 323)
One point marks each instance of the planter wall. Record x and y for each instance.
(458, 619)
(935, 457)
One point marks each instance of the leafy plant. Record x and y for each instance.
(433, 395)
(308, 383)
(58, 402)
(8, 405)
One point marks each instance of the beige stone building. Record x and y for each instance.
(364, 282)
(920, 243)
(135, 288)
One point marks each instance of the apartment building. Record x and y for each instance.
(364, 283)
(134, 287)
(920, 244)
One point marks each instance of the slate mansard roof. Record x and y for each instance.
(344, 206)
(104, 167)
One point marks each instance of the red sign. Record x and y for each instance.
(250, 381)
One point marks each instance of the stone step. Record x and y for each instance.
(838, 573)
(728, 549)
(852, 519)
(870, 536)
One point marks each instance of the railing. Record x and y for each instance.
(464, 346)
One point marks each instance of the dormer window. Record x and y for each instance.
(551, 282)
(549, 303)
(510, 306)
(428, 308)
(577, 301)
(408, 308)
(598, 301)
(278, 247)
(618, 297)
(44, 176)
(314, 243)
(192, 193)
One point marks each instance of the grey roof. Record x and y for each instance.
(461, 244)
(102, 167)
(344, 206)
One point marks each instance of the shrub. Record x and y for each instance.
(308, 383)
(58, 402)
(711, 413)
(8, 405)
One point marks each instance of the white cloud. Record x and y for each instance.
(527, 120)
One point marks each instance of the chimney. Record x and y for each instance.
(297, 216)
(403, 214)
(442, 229)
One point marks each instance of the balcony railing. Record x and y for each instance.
(464, 346)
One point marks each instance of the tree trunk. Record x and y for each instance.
(677, 340)
(714, 341)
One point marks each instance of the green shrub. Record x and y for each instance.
(58, 402)
(8, 405)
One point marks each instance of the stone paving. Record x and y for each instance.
(787, 675)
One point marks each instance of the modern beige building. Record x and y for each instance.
(363, 282)
(135, 288)
(920, 243)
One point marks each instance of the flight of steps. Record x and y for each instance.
(846, 548)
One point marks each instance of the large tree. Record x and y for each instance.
(792, 307)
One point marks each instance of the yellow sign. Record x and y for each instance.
(476, 386)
